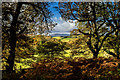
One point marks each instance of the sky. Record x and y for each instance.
(62, 25)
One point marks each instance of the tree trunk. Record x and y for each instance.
(118, 57)
(117, 41)
(118, 53)
(12, 39)
(95, 55)
(12, 42)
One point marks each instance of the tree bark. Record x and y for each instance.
(12, 42)
(12, 39)
(117, 43)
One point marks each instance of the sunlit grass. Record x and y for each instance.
(64, 39)
(67, 39)
(21, 66)
(58, 37)
(67, 54)
(25, 63)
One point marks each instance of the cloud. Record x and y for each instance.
(55, 18)
(65, 26)
(62, 25)
(60, 18)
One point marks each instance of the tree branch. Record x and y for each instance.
(107, 35)
(109, 52)
(83, 32)
(81, 20)
(90, 45)
(37, 10)
(22, 30)
(101, 25)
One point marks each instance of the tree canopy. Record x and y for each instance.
(97, 17)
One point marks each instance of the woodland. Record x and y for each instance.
(94, 54)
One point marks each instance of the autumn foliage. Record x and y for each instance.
(77, 69)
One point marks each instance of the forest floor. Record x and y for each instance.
(67, 69)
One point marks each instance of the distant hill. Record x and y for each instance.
(57, 33)
(63, 35)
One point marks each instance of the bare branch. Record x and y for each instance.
(81, 20)
(101, 25)
(83, 32)
(107, 35)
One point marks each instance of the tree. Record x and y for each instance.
(23, 18)
(94, 16)
(113, 41)
(112, 45)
